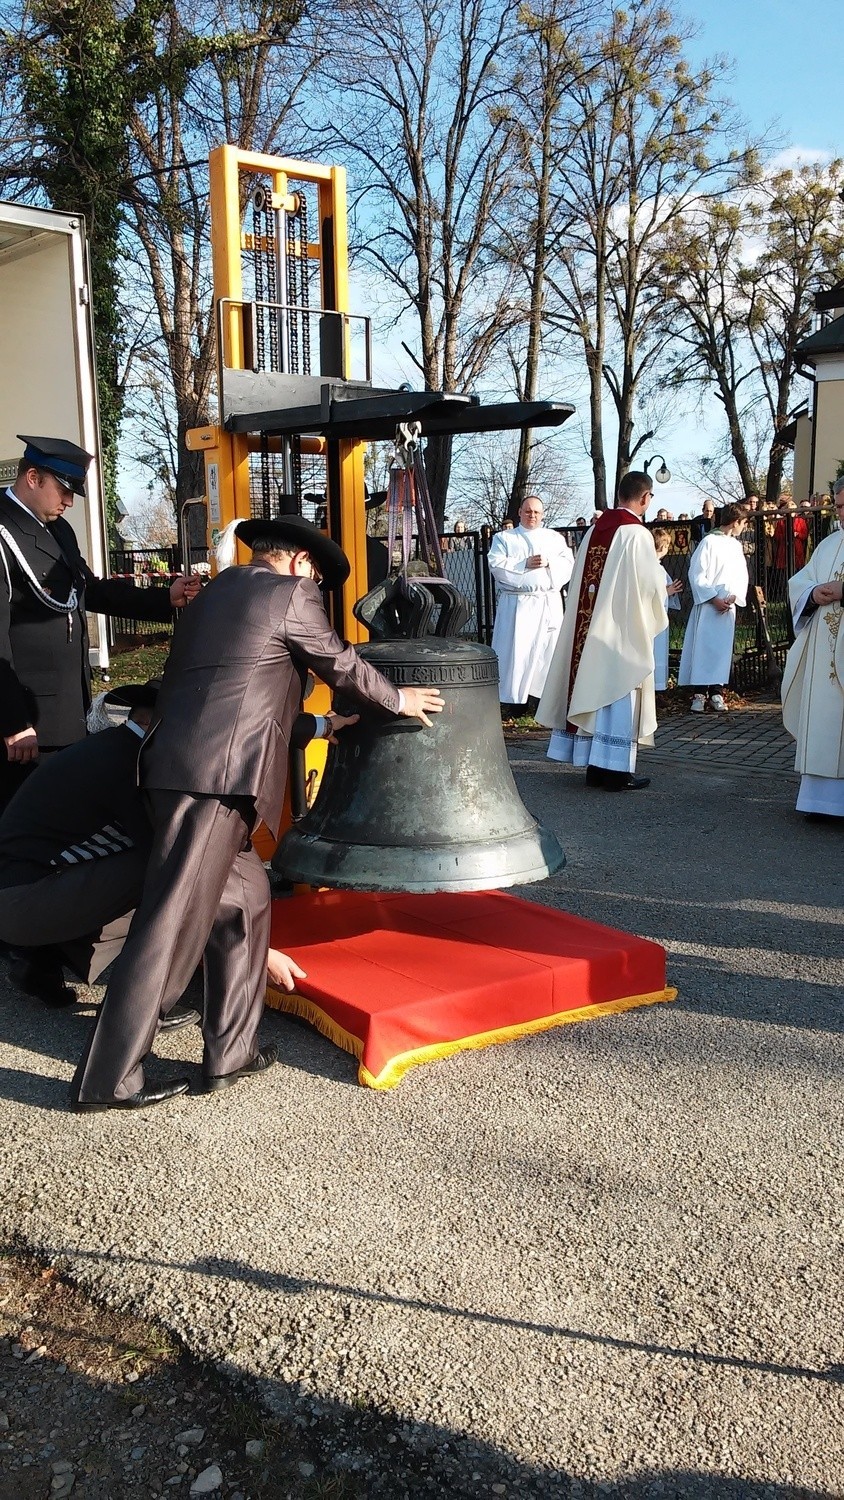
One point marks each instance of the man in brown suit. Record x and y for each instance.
(214, 762)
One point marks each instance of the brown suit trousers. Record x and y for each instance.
(206, 893)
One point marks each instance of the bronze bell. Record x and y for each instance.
(405, 808)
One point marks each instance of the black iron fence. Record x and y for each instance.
(147, 567)
(775, 545)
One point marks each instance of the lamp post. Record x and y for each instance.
(663, 473)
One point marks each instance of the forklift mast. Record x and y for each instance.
(284, 331)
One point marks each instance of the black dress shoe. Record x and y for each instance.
(43, 980)
(623, 781)
(151, 1093)
(180, 1015)
(595, 776)
(262, 1060)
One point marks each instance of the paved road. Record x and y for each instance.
(603, 1260)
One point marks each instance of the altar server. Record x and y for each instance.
(599, 697)
(718, 581)
(813, 680)
(673, 588)
(530, 564)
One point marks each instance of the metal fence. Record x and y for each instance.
(145, 567)
(775, 545)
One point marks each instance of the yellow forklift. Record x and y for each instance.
(297, 406)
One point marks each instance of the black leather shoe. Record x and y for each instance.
(594, 776)
(44, 981)
(151, 1093)
(623, 781)
(180, 1015)
(262, 1060)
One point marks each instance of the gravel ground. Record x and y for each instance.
(603, 1260)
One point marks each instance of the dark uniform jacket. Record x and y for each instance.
(45, 677)
(233, 685)
(79, 806)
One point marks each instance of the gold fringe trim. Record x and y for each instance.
(394, 1071)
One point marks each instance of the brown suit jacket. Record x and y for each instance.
(233, 686)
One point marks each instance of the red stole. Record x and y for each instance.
(603, 532)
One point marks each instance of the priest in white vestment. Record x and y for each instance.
(530, 565)
(599, 698)
(813, 679)
(718, 581)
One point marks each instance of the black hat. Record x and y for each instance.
(67, 461)
(135, 694)
(302, 536)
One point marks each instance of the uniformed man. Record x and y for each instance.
(45, 588)
(74, 845)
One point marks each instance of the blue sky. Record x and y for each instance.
(785, 64)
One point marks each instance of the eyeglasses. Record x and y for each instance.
(315, 572)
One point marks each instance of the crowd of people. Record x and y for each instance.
(610, 654)
(130, 844)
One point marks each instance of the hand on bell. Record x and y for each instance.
(419, 702)
(338, 722)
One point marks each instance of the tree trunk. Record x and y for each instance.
(438, 473)
(521, 476)
(596, 433)
(773, 484)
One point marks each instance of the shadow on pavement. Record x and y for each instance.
(353, 1451)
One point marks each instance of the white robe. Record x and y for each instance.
(612, 704)
(813, 683)
(528, 607)
(661, 643)
(717, 568)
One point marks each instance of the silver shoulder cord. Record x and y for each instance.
(41, 594)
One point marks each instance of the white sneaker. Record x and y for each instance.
(718, 703)
(698, 703)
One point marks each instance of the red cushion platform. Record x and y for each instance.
(399, 980)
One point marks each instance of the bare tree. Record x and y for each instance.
(547, 62)
(418, 96)
(642, 139)
(706, 310)
(247, 95)
(804, 248)
(739, 277)
(150, 523)
(484, 471)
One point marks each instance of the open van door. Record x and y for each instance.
(47, 368)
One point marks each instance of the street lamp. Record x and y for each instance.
(663, 473)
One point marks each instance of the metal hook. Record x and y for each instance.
(406, 443)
